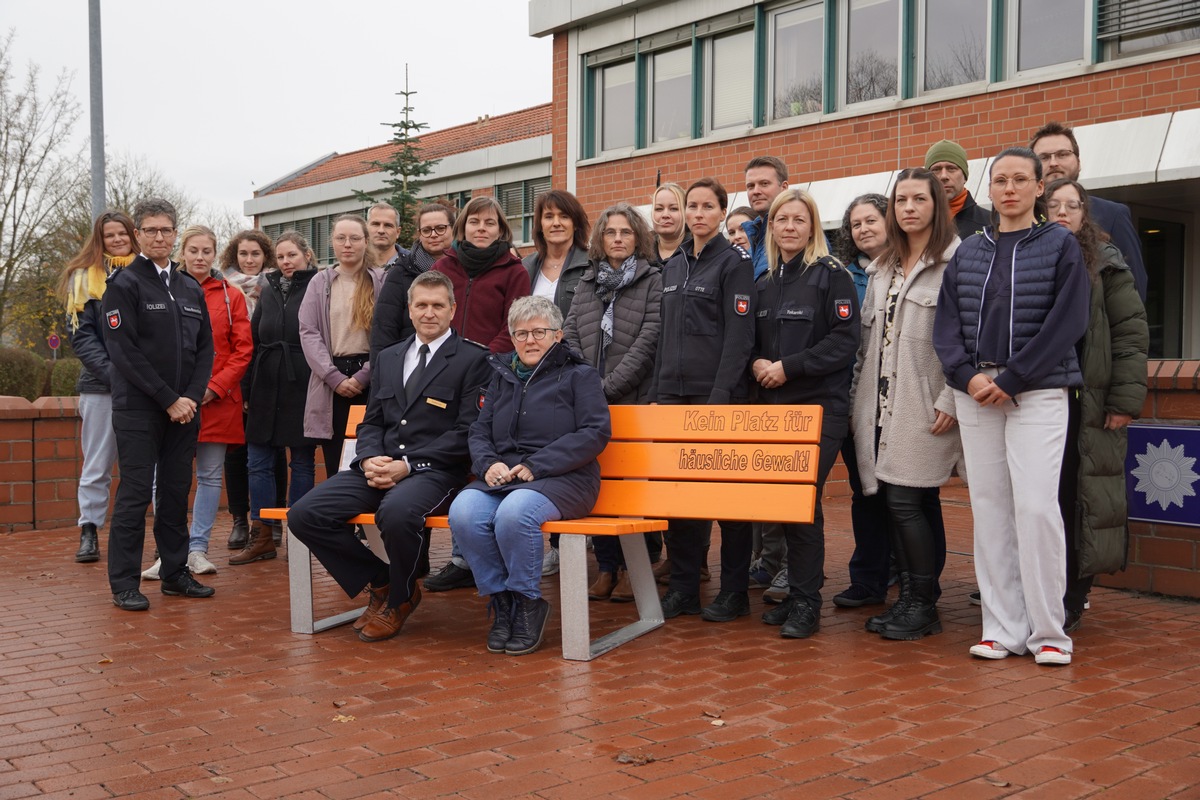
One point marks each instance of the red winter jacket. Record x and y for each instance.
(221, 419)
(482, 302)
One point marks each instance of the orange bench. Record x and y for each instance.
(754, 463)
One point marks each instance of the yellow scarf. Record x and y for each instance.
(88, 284)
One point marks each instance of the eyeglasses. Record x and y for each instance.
(538, 334)
(344, 239)
(434, 230)
(1058, 155)
(1069, 205)
(1018, 182)
(154, 233)
(617, 233)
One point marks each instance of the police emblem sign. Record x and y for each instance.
(1162, 474)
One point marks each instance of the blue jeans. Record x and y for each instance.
(261, 466)
(501, 537)
(210, 465)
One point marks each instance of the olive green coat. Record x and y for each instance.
(1113, 361)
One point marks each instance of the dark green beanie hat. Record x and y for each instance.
(946, 150)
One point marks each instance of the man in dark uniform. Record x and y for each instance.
(948, 161)
(411, 458)
(160, 343)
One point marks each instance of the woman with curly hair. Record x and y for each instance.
(109, 246)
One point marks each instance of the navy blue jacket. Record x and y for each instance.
(707, 325)
(808, 319)
(1115, 219)
(1049, 309)
(556, 423)
(160, 342)
(87, 341)
(756, 234)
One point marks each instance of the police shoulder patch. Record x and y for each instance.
(741, 304)
(843, 308)
(114, 319)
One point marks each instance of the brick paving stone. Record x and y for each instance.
(219, 699)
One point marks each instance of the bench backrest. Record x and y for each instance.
(735, 462)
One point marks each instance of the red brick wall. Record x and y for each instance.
(983, 124)
(39, 463)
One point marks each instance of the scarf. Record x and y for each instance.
(285, 286)
(523, 372)
(609, 282)
(956, 205)
(88, 284)
(422, 260)
(478, 260)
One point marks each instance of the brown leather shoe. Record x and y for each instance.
(259, 548)
(388, 621)
(375, 601)
(623, 591)
(603, 587)
(662, 571)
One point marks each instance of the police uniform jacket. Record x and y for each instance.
(707, 324)
(159, 341)
(808, 319)
(430, 427)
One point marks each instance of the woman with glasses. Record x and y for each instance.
(1112, 358)
(702, 358)
(487, 276)
(1013, 303)
(245, 262)
(221, 406)
(335, 327)
(534, 447)
(614, 322)
(902, 410)
(110, 246)
(392, 323)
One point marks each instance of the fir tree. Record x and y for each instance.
(406, 167)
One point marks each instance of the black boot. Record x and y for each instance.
(528, 626)
(240, 535)
(89, 545)
(501, 607)
(877, 623)
(920, 617)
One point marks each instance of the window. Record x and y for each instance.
(617, 97)
(872, 50)
(731, 78)
(955, 43)
(671, 94)
(1133, 26)
(798, 60)
(517, 200)
(1049, 33)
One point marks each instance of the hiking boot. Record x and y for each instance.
(528, 625)
(727, 607)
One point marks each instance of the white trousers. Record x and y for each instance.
(1014, 454)
(99, 445)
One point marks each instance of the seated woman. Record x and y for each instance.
(543, 422)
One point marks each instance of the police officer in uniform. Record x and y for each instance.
(160, 343)
(805, 344)
(411, 457)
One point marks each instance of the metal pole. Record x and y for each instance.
(96, 82)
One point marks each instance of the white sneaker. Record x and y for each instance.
(550, 562)
(989, 649)
(152, 573)
(1053, 656)
(198, 564)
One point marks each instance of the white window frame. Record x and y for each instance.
(710, 81)
(989, 37)
(843, 58)
(771, 17)
(1012, 13)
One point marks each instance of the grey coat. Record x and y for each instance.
(629, 363)
(908, 454)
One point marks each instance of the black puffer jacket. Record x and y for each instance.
(628, 364)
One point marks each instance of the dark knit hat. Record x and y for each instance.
(946, 150)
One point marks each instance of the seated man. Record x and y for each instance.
(411, 458)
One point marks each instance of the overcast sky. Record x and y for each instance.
(224, 95)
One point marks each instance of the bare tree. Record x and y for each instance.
(39, 169)
(963, 62)
(801, 97)
(870, 76)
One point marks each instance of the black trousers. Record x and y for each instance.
(871, 559)
(148, 441)
(319, 521)
(332, 448)
(806, 543)
(1078, 586)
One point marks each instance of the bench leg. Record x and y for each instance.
(300, 585)
(576, 627)
(573, 599)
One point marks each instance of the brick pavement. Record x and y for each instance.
(216, 698)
